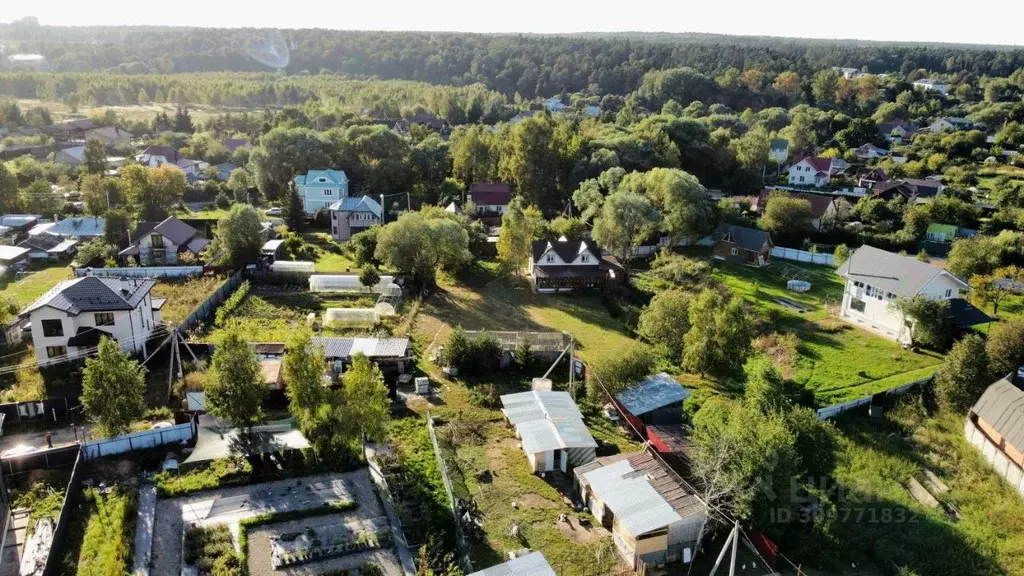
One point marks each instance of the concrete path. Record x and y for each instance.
(398, 534)
(144, 529)
(14, 543)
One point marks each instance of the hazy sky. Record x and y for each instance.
(908, 20)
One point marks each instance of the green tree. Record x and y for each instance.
(39, 198)
(765, 390)
(235, 388)
(115, 231)
(666, 320)
(239, 181)
(823, 87)
(841, 255)
(473, 154)
(751, 149)
(615, 371)
(785, 215)
(94, 157)
(240, 236)
(718, 341)
(284, 153)
(571, 228)
(369, 276)
(366, 397)
(930, 321)
(1005, 346)
(977, 255)
(421, 244)
(964, 375)
(93, 194)
(627, 219)
(515, 237)
(166, 188)
(9, 199)
(94, 250)
(292, 210)
(113, 388)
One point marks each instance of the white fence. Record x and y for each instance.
(836, 409)
(1000, 463)
(138, 440)
(643, 251)
(142, 272)
(803, 256)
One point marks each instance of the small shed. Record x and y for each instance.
(532, 564)
(273, 250)
(551, 428)
(656, 400)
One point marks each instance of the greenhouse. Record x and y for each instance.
(348, 283)
(289, 266)
(342, 317)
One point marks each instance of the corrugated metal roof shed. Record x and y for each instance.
(1002, 408)
(547, 420)
(532, 564)
(371, 347)
(655, 392)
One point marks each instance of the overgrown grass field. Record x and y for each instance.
(26, 291)
(184, 296)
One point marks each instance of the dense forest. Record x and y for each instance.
(529, 65)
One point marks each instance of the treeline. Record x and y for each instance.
(529, 65)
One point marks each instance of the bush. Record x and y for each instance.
(229, 306)
(477, 356)
(832, 326)
(485, 396)
(219, 473)
(210, 550)
(621, 371)
(222, 201)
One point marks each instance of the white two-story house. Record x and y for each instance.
(321, 188)
(875, 279)
(70, 319)
(351, 216)
(811, 171)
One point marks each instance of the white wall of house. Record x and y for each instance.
(879, 313)
(130, 329)
(346, 224)
(803, 174)
(491, 208)
(551, 258)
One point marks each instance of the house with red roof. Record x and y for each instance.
(490, 198)
(810, 171)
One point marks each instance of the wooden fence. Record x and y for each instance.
(803, 256)
(836, 409)
(204, 311)
(142, 272)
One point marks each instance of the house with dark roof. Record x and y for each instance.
(160, 243)
(909, 188)
(233, 144)
(48, 246)
(154, 156)
(350, 216)
(812, 171)
(490, 198)
(742, 245)
(68, 321)
(995, 426)
(868, 177)
(654, 516)
(869, 151)
(564, 265)
(897, 131)
(876, 279)
(656, 400)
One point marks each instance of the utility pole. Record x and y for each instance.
(735, 545)
(383, 210)
(725, 547)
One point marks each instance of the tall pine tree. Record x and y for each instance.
(291, 209)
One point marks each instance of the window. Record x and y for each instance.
(104, 318)
(156, 240)
(949, 293)
(334, 230)
(890, 296)
(328, 192)
(549, 258)
(55, 351)
(321, 180)
(858, 284)
(53, 328)
(585, 258)
(857, 305)
(801, 178)
(733, 251)
(875, 293)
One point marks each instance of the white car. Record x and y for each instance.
(273, 212)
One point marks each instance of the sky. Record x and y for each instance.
(902, 20)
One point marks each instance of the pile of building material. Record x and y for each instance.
(37, 549)
(310, 545)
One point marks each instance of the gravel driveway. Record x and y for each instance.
(230, 505)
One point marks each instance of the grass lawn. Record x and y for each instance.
(25, 292)
(875, 458)
(330, 256)
(834, 362)
(109, 537)
(184, 296)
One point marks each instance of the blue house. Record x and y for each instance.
(321, 188)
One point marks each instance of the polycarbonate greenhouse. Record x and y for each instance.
(348, 283)
(350, 317)
(296, 266)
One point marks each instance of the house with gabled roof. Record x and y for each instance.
(876, 279)
(932, 84)
(47, 246)
(110, 136)
(655, 400)
(563, 265)
(160, 243)
(742, 245)
(995, 426)
(68, 321)
(950, 124)
(896, 131)
(490, 198)
(811, 171)
(233, 144)
(350, 216)
(654, 516)
(321, 188)
(550, 428)
(154, 156)
(915, 189)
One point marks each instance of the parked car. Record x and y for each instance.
(273, 212)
